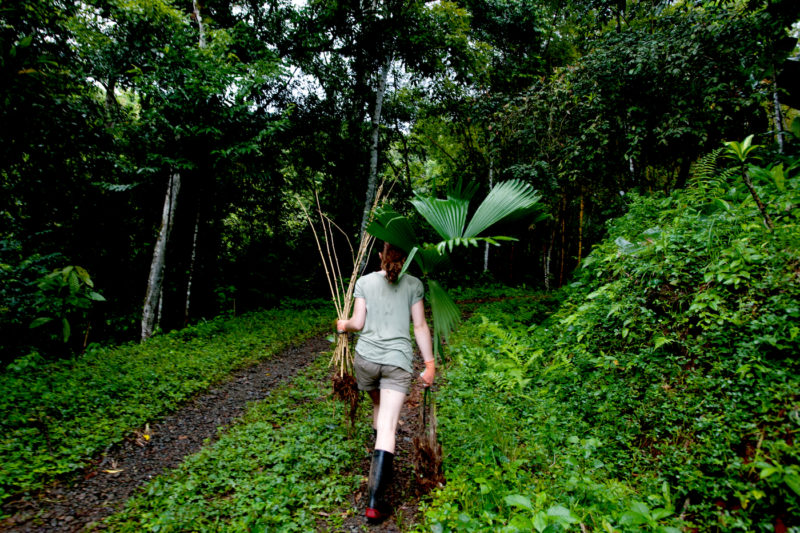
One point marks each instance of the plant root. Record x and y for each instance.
(427, 454)
(345, 389)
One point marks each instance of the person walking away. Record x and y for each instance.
(384, 308)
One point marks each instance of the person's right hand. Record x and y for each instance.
(341, 326)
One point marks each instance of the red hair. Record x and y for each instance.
(392, 260)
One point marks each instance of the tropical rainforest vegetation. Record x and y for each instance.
(633, 364)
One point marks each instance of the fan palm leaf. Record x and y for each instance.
(507, 200)
(448, 217)
(446, 315)
(390, 226)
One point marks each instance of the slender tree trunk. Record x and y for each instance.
(759, 203)
(157, 266)
(201, 28)
(580, 232)
(191, 268)
(563, 240)
(372, 180)
(778, 112)
(111, 97)
(486, 246)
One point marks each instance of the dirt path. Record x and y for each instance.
(104, 486)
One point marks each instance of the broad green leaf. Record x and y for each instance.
(40, 322)
(84, 275)
(562, 513)
(641, 508)
(65, 329)
(793, 482)
(770, 470)
(540, 521)
(521, 522)
(394, 228)
(795, 127)
(632, 518)
(96, 296)
(660, 513)
(518, 500)
(445, 313)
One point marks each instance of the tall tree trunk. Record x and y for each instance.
(201, 28)
(563, 240)
(191, 267)
(157, 266)
(372, 180)
(778, 112)
(580, 232)
(486, 246)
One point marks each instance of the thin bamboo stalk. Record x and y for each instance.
(342, 297)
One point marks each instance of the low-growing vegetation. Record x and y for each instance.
(58, 415)
(663, 393)
(286, 466)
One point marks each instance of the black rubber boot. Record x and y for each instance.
(380, 477)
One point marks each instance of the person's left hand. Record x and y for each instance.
(341, 326)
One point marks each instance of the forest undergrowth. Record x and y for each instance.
(59, 414)
(662, 395)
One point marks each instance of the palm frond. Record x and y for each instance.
(507, 200)
(459, 191)
(446, 315)
(392, 227)
(448, 217)
(430, 260)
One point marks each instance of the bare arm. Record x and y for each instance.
(422, 334)
(355, 322)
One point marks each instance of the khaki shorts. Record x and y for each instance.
(371, 376)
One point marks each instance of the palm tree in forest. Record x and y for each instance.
(508, 200)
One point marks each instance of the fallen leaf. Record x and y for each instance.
(117, 471)
(183, 437)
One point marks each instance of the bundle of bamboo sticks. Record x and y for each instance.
(342, 296)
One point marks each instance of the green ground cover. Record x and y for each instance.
(283, 467)
(57, 415)
(663, 393)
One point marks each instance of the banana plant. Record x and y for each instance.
(448, 217)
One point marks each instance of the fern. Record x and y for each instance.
(707, 179)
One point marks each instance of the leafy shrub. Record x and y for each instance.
(662, 393)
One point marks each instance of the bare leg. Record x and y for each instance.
(375, 396)
(391, 402)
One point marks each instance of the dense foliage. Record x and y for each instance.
(238, 108)
(662, 393)
(58, 415)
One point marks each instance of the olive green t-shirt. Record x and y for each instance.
(385, 338)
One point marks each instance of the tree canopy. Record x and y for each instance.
(174, 137)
